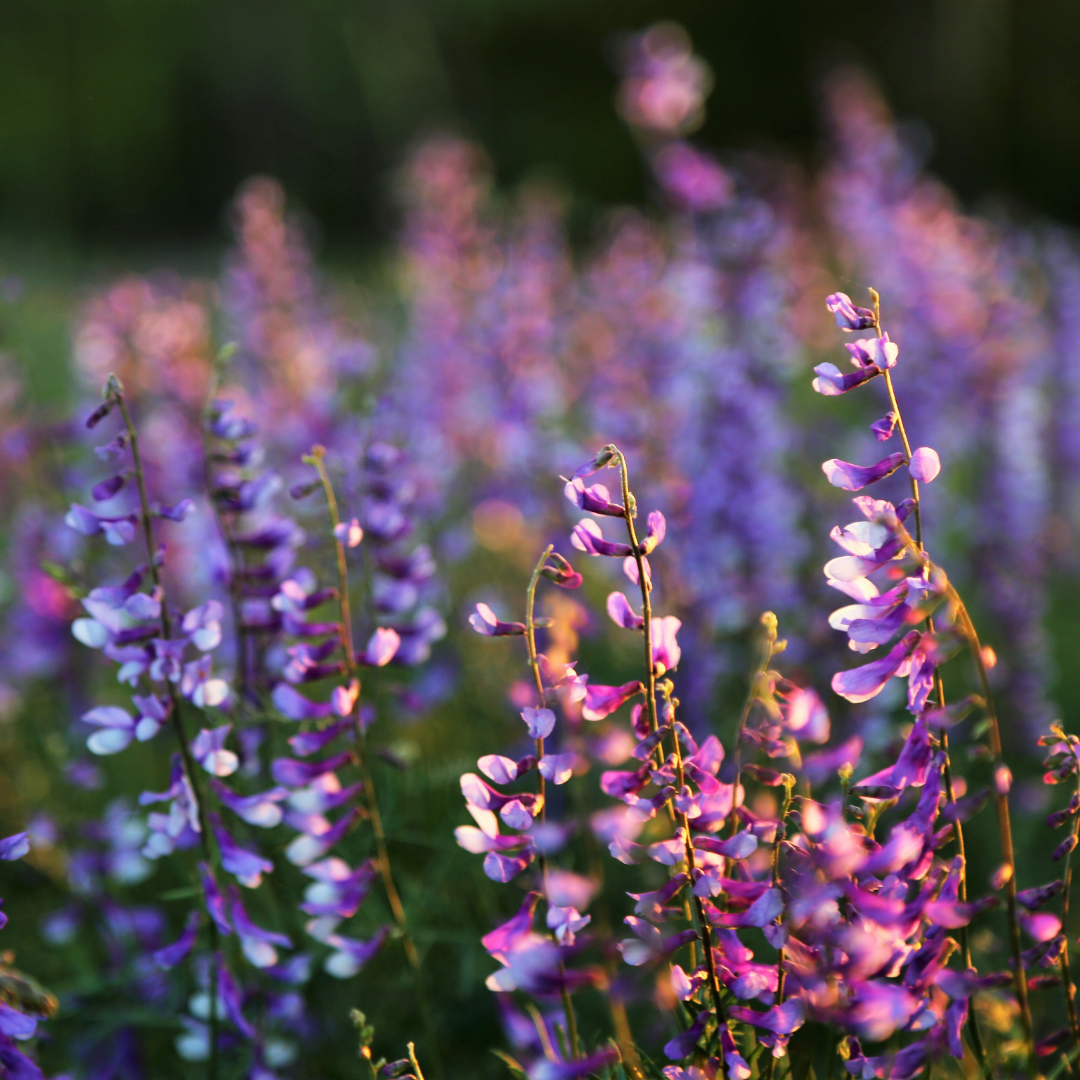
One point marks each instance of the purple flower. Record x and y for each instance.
(847, 315)
(925, 464)
(118, 530)
(307, 847)
(14, 846)
(657, 530)
(593, 500)
(349, 533)
(16, 1025)
(177, 512)
(173, 954)
(350, 954)
(883, 429)
(117, 729)
(540, 722)
(587, 537)
(682, 1046)
(203, 625)
(866, 682)
(831, 381)
(665, 648)
(256, 943)
(780, 1020)
(380, 648)
(247, 866)
(557, 768)
(261, 810)
(504, 939)
(215, 902)
(618, 607)
(208, 749)
(307, 743)
(876, 352)
(848, 477)
(484, 621)
(601, 701)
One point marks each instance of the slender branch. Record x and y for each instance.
(317, 458)
(645, 587)
(789, 787)
(541, 784)
(186, 756)
(1066, 975)
(973, 1024)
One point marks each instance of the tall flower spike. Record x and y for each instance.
(920, 654)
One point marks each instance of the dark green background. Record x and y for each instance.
(130, 122)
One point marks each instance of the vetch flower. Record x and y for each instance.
(866, 682)
(349, 533)
(601, 701)
(208, 749)
(848, 477)
(925, 464)
(117, 729)
(848, 316)
(484, 621)
(594, 500)
(587, 537)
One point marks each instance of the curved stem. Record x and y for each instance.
(541, 784)
(382, 851)
(1004, 825)
(645, 588)
(186, 756)
(780, 834)
(1066, 975)
(973, 1024)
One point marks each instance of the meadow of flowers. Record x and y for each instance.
(628, 660)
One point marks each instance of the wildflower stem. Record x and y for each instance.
(1001, 788)
(1066, 975)
(174, 711)
(541, 784)
(789, 788)
(318, 459)
(645, 587)
(768, 620)
(703, 926)
(976, 1037)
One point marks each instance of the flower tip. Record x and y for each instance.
(925, 464)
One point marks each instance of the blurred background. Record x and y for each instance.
(128, 127)
(484, 241)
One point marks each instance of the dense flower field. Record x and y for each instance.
(459, 687)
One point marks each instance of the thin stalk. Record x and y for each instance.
(1004, 825)
(186, 757)
(781, 831)
(645, 588)
(703, 927)
(1066, 975)
(751, 695)
(973, 1024)
(541, 784)
(397, 909)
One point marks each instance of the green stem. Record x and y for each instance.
(186, 757)
(318, 459)
(1066, 975)
(645, 589)
(541, 785)
(973, 1024)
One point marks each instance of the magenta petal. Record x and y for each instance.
(844, 475)
(863, 683)
(925, 464)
